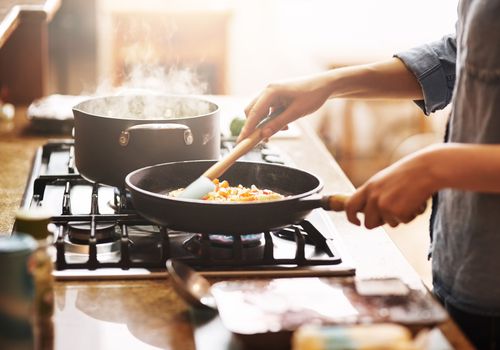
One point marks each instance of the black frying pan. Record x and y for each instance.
(149, 186)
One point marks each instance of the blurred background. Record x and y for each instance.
(236, 48)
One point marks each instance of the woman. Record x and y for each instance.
(463, 174)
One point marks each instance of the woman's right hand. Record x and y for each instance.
(297, 98)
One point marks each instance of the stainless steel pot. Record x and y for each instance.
(118, 134)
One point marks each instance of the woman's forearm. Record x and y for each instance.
(469, 167)
(304, 95)
(386, 79)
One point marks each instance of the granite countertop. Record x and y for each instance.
(145, 314)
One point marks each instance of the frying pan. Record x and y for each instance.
(149, 187)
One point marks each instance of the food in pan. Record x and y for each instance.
(225, 193)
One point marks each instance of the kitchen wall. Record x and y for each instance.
(277, 39)
(280, 38)
(265, 39)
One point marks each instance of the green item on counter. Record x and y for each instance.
(236, 126)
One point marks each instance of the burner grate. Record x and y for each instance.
(205, 259)
(133, 242)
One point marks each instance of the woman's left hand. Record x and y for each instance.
(395, 195)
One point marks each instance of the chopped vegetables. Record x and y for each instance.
(225, 193)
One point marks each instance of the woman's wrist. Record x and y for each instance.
(468, 167)
(438, 170)
(341, 81)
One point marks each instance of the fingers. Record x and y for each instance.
(373, 217)
(355, 205)
(375, 214)
(280, 121)
(250, 106)
(387, 214)
(422, 208)
(389, 219)
(257, 110)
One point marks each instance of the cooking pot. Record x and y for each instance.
(115, 135)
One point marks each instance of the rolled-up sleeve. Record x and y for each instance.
(434, 67)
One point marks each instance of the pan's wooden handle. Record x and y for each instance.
(243, 147)
(335, 202)
(239, 150)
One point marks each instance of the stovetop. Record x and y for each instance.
(97, 233)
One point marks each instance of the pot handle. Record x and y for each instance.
(126, 134)
(335, 202)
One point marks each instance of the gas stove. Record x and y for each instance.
(98, 235)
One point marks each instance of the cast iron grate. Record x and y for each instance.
(145, 245)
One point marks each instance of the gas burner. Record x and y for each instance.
(290, 234)
(224, 246)
(107, 251)
(249, 240)
(79, 232)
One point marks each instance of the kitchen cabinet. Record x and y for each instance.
(147, 314)
(168, 36)
(24, 49)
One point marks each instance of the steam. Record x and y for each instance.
(142, 95)
(158, 80)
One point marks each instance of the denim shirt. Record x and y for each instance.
(464, 69)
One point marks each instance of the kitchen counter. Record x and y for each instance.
(147, 314)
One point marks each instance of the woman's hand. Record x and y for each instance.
(400, 192)
(297, 98)
(395, 195)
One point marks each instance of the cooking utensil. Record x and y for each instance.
(203, 185)
(190, 285)
(117, 134)
(149, 187)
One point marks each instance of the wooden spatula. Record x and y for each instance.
(203, 185)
